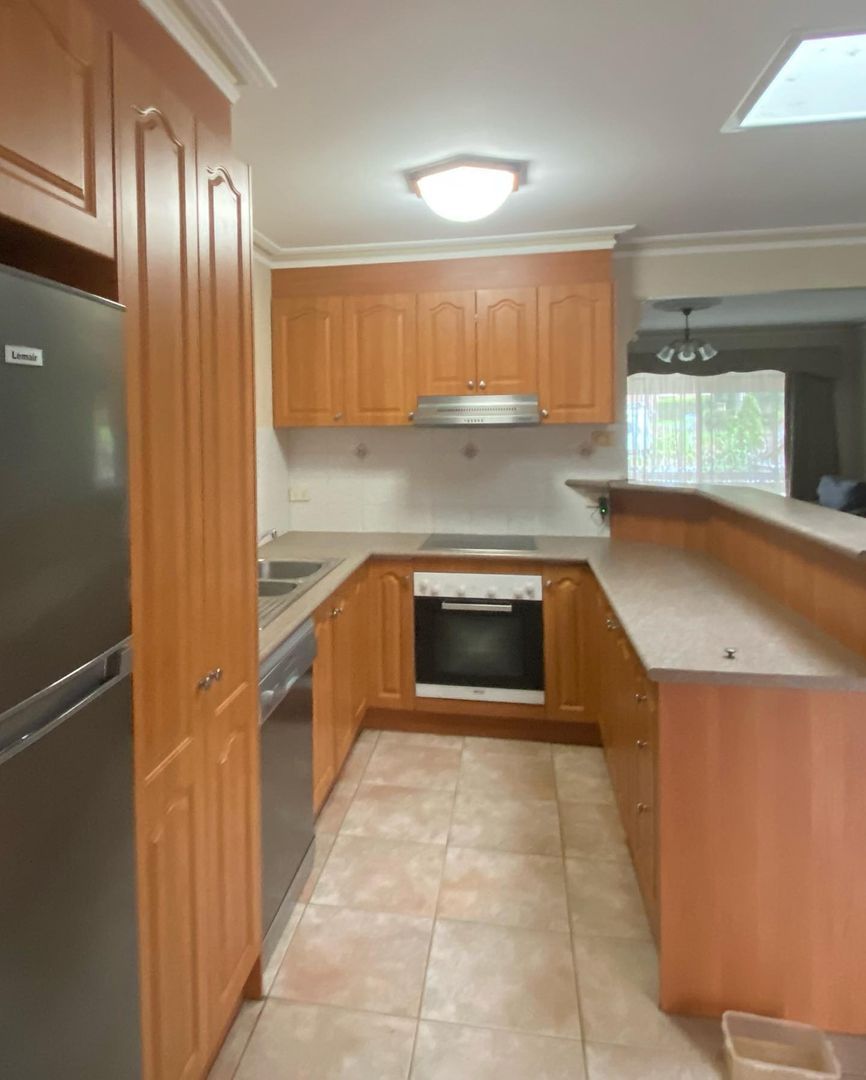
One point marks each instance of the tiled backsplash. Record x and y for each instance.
(424, 481)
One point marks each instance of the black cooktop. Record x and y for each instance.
(476, 544)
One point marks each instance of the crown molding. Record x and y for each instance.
(469, 247)
(743, 240)
(205, 30)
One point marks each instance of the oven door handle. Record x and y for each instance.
(498, 609)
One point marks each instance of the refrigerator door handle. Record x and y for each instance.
(25, 724)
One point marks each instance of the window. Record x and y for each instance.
(714, 429)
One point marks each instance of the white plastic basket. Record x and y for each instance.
(760, 1048)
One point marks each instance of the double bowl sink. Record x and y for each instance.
(282, 581)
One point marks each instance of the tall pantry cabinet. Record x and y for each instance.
(183, 252)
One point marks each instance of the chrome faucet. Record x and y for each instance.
(271, 534)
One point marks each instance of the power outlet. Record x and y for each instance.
(299, 494)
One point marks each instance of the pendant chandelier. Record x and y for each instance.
(687, 348)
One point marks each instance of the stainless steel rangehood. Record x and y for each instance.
(507, 410)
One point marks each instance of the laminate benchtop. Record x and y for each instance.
(681, 610)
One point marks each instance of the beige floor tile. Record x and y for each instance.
(278, 955)
(521, 747)
(324, 843)
(400, 813)
(356, 959)
(235, 1043)
(382, 875)
(618, 985)
(497, 976)
(504, 888)
(314, 1042)
(851, 1052)
(453, 1052)
(637, 1063)
(421, 738)
(419, 766)
(603, 898)
(592, 831)
(581, 775)
(355, 764)
(332, 813)
(494, 823)
(368, 735)
(511, 776)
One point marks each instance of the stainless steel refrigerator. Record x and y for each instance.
(68, 956)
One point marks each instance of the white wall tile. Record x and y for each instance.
(414, 480)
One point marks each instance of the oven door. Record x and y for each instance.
(487, 650)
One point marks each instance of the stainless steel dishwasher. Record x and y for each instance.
(286, 718)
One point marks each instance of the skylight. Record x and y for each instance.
(813, 79)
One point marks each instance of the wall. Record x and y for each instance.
(415, 480)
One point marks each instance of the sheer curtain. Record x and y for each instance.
(718, 429)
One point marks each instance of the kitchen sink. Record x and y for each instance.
(276, 588)
(282, 581)
(284, 569)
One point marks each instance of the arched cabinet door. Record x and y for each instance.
(446, 343)
(507, 346)
(380, 358)
(230, 737)
(575, 347)
(55, 121)
(159, 284)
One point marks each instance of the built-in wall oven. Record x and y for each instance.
(479, 637)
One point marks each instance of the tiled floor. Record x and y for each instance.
(472, 915)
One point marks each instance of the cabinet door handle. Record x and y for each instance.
(335, 612)
(641, 744)
(217, 674)
(640, 698)
(411, 415)
(205, 682)
(642, 807)
(610, 624)
(544, 414)
(482, 385)
(471, 384)
(548, 584)
(338, 416)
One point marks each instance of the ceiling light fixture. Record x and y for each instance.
(466, 188)
(687, 348)
(816, 77)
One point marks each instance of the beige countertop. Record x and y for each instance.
(842, 533)
(681, 610)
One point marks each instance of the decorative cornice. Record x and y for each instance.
(468, 247)
(208, 33)
(744, 240)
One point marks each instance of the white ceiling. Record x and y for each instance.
(797, 307)
(617, 105)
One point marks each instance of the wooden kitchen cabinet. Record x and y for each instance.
(446, 343)
(339, 682)
(575, 353)
(379, 359)
(230, 624)
(565, 596)
(55, 140)
(507, 341)
(184, 277)
(308, 370)
(391, 644)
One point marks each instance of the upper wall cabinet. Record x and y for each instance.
(380, 382)
(507, 320)
(308, 362)
(446, 343)
(357, 345)
(575, 353)
(55, 122)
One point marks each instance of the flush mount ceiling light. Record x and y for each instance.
(816, 77)
(466, 188)
(686, 348)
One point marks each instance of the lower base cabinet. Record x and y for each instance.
(625, 703)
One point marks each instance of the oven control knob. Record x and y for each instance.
(423, 585)
(529, 590)
(435, 590)
(491, 592)
(461, 590)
